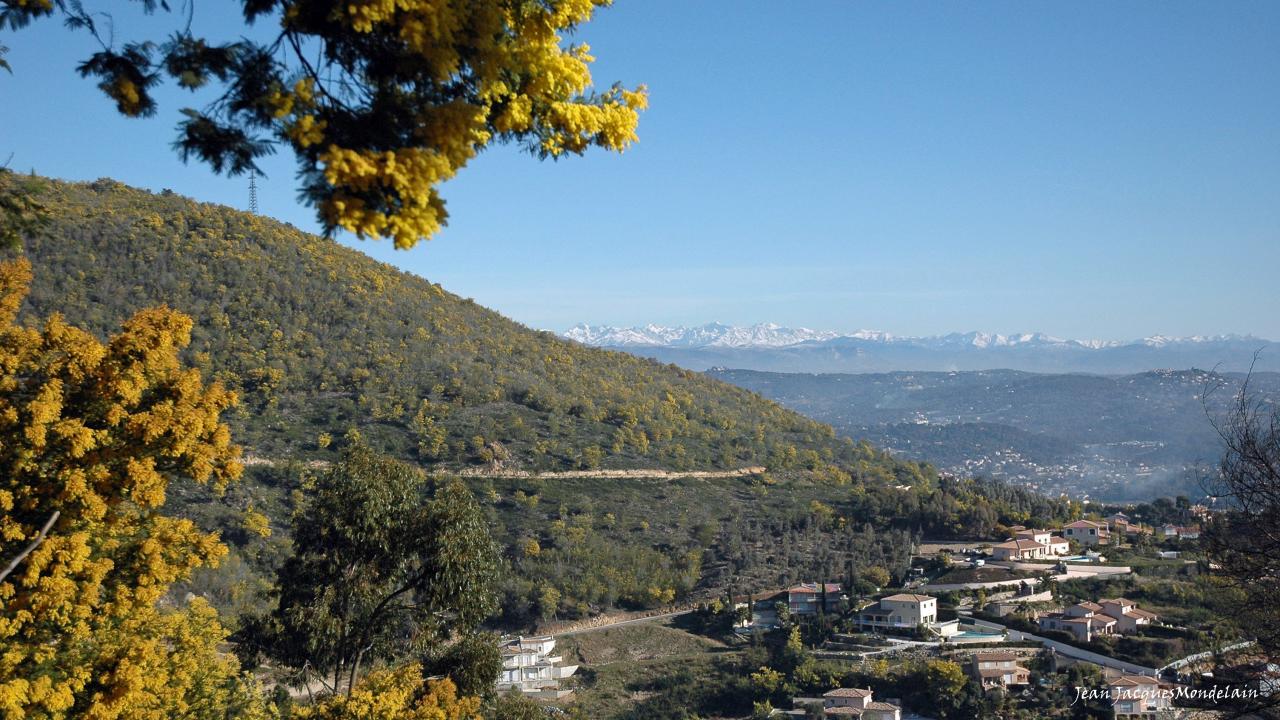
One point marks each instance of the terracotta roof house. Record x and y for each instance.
(1019, 550)
(904, 610)
(1139, 696)
(997, 669)
(804, 599)
(1083, 620)
(1040, 536)
(848, 693)
(913, 597)
(1087, 532)
(1129, 617)
(1122, 524)
(1055, 544)
(1083, 609)
(857, 702)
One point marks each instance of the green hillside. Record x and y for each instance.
(319, 338)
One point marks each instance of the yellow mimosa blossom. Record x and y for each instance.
(93, 432)
(395, 695)
(525, 83)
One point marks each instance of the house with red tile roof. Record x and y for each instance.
(1087, 532)
(902, 611)
(805, 598)
(1020, 549)
(1129, 617)
(997, 669)
(1084, 621)
(1139, 696)
(857, 702)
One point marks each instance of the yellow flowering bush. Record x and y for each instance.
(397, 97)
(396, 694)
(90, 432)
(523, 83)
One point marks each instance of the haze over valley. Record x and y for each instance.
(1134, 433)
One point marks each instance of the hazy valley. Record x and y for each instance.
(1114, 438)
(1107, 425)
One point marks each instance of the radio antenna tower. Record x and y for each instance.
(253, 192)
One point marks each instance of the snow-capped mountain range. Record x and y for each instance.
(770, 335)
(767, 346)
(710, 335)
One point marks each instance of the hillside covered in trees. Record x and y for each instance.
(318, 339)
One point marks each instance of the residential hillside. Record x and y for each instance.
(319, 338)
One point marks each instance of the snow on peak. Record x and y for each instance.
(709, 335)
(772, 335)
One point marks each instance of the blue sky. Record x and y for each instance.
(1087, 169)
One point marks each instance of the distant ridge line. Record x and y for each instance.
(770, 335)
(628, 474)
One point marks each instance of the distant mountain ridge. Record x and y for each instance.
(771, 347)
(774, 335)
(709, 335)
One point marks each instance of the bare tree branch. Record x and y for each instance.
(44, 532)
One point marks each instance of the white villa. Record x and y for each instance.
(905, 611)
(1056, 545)
(529, 666)
(1031, 545)
(857, 702)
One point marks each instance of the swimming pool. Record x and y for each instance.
(971, 635)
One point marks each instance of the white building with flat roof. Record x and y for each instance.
(529, 666)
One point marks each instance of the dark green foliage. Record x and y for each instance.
(515, 706)
(607, 542)
(473, 662)
(1053, 691)
(22, 212)
(963, 508)
(687, 693)
(383, 567)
